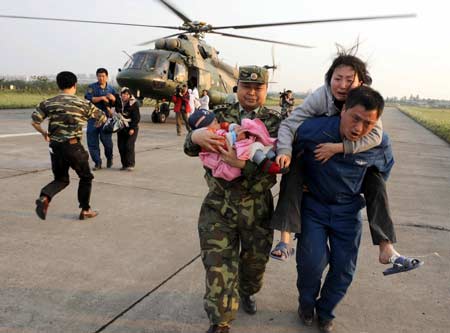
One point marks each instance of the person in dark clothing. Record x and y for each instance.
(332, 203)
(126, 137)
(66, 115)
(346, 72)
(102, 95)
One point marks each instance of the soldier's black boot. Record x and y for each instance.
(248, 303)
(109, 163)
(218, 329)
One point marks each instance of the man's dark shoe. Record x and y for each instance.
(326, 326)
(249, 304)
(96, 167)
(88, 214)
(109, 163)
(42, 207)
(218, 329)
(306, 316)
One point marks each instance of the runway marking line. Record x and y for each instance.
(2, 136)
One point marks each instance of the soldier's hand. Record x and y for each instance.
(228, 155)
(207, 140)
(283, 160)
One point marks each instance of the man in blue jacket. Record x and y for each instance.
(332, 203)
(103, 96)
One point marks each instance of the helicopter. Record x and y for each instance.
(184, 57)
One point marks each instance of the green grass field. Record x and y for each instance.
(22, 100)
(25, 100)
(436, 120)
(14, 100)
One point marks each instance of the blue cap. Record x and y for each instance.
(201, 118)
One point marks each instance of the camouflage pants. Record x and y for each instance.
(235, 241)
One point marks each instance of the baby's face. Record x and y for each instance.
(241, 134)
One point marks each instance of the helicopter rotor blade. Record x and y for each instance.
(176, 11)
(88, 21)
(365, 18)
(260, 39)
(154, 40)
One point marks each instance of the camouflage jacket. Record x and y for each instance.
(66, 116)
(252, 180)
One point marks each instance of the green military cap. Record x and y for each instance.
(254, 74)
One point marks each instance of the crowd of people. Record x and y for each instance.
(186, 101)
(332, 152)
(67, 113)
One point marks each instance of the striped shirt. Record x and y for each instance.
(66, 116)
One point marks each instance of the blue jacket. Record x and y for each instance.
(94, 90)
(339, 180)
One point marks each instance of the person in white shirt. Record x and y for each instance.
(191, 100)
(194, 99)
(204, 100)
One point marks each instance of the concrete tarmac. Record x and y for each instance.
(136, 267)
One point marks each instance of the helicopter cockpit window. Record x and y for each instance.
(127, 64)
(137, 62)
(150, 62)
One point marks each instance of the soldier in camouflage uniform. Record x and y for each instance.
(67, 114)
(235, 237)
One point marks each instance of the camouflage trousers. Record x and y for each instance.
(235, 241)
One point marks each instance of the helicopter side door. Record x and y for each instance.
(193, 77)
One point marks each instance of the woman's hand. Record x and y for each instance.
(325, 151)
(283, 160)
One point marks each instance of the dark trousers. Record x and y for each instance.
(93, 134)
(180, 118)
(287, 212)
(126, 144)
(287, 215)
(331, 235)
(378, 211)
(63, 157)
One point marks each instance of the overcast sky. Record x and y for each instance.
(405, 56)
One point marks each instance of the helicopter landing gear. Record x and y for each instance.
(161, 113)
(155, 117)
